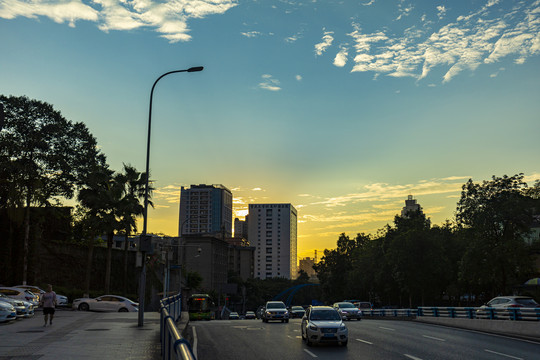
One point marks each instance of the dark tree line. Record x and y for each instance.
(46, 160)
(487, 251)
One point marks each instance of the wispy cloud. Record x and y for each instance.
(327, 40)
(465, 44)
(169, 19)
(441, 11)
(269, 83)
(298, 77)
(341, 58)
(252, 34)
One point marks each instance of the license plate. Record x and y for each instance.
(328, 335)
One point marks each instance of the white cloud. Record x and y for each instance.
(298, 77)
(251, 34)
(169, 19)
(463, 45)
(327, 41)
(341, 58)
(441, 11)
(269, 83)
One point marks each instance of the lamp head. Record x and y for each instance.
(195, 68)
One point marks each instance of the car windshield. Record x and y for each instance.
(275, 306)
(346, 305)
(297, 308)
(325, 315)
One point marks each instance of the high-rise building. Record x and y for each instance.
(240, 228)
(272, 231)
(205, 209)
(410, 206)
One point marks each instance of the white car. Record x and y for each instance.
(22, 308)
(20, 294)
(323, 324)
(61, 300)
(7, 312)
(105, 303)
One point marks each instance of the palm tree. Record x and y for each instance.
(99, 196)
(132, 184)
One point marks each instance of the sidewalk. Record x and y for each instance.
(81, 335)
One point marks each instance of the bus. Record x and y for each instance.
(200, 307)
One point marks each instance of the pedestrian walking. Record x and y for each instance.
(48, 302)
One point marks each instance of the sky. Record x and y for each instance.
(341, 108)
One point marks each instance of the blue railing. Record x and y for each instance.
(173, 345)
(531, 314)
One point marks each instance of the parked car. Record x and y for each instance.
(34, 289)
(22, 308)
(297, 312)
(323, 324)
(61, 300)
(20, 294)
(234, 316)
(363, 305)
(348, 311)
(7, 312)
(105, 303)
(275, 310)
(250, 315)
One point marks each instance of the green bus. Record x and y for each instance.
(200, 307)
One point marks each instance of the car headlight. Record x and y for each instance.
(342, 327)
(313, 327)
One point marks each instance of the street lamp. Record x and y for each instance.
(142, 284)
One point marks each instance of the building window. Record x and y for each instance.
(269, 225)
(269, 234)
(268, 250)
(269, 212)
(268, 266)
(269, 258)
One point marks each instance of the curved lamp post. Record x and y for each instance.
(142, 285)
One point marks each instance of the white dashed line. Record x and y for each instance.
(310, 353)
(433, 338)
(506, 355)
(364, 341)
(194, 342)
(412, 357)
(385, 328)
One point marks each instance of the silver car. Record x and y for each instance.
(275, 310)
(348, 311)
(323, 324)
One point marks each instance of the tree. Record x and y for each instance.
(132, 184)
(495, 216)
(42, 157)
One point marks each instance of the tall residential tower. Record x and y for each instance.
(272, 231)
(205, 209)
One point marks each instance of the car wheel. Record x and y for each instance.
(84, 307)
(287, 320)
(123, 310)
(344, 343)
(308, 342)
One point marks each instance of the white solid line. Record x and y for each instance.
(194, 341)
(498, 353)
(434, 338)
(412, 357)
(364, 341)
(385, 328)
(310, 353)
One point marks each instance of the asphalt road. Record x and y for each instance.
(368, 339)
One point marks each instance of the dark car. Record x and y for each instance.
(275, 310)
(297, 312)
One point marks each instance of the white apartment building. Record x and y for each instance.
(272, 231)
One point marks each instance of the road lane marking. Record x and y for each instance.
(498, 353)
(412, 357)
(385, 328)
(194, 342)
(433, 338)
(364, 341)
(310, 353)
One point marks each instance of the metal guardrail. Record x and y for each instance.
(516, 314)
(173, 345)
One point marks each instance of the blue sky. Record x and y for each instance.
(342, 108)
